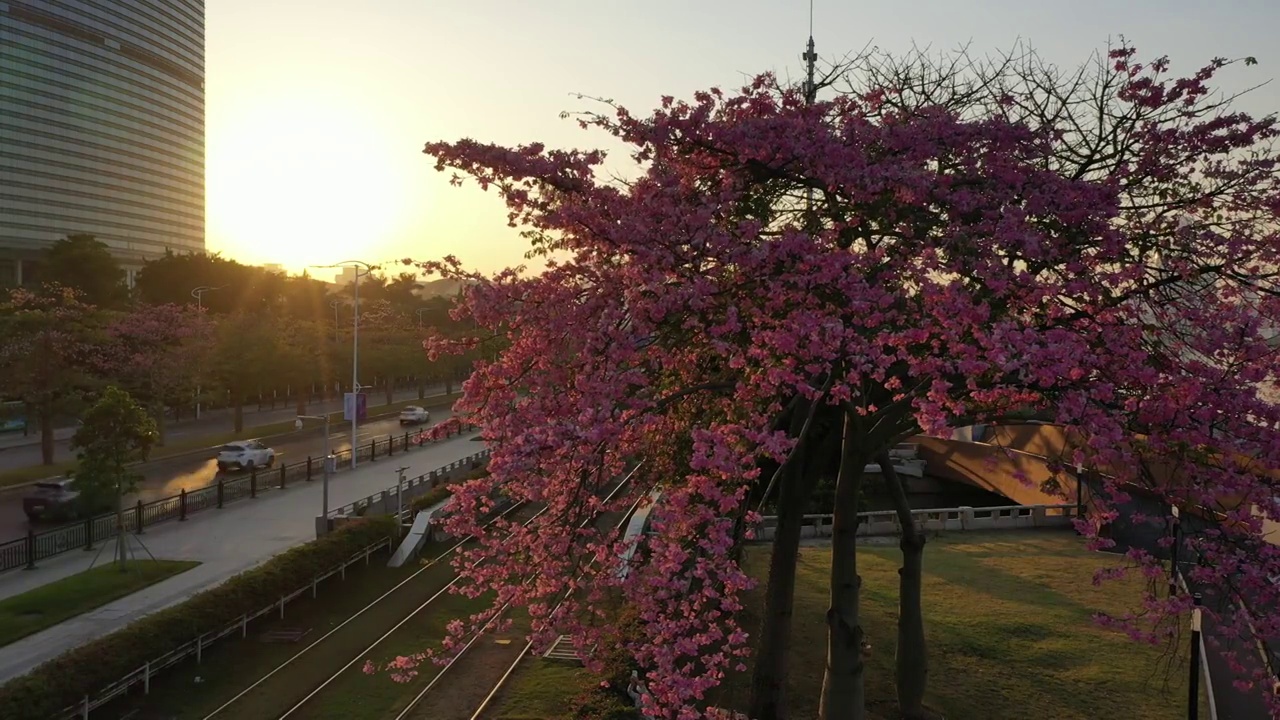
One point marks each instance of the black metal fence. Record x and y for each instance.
(39, 545)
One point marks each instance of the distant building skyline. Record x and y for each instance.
(102, 124)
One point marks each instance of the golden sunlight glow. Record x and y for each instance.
(304, 180)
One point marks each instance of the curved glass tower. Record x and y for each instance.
(101, 128)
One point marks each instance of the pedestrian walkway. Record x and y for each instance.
(226, 542)
(219, 420)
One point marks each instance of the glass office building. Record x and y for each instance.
(101, 128)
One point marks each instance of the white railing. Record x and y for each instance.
(959, 519)
(411, 488)
(197, 646)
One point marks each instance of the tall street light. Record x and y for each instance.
(355, 347)
(420, 311)
(198, 294)
(328, 458)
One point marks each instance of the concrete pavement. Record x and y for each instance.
(226, 542)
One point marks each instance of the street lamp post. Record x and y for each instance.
(355, 348)
(328, 458)
(399, 500)
(198, 294)
(420, 311)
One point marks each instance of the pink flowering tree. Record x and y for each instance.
(48, 347)
(158, 353)
(782, 282)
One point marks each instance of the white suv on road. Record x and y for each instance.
(245, 455)
(414, 415)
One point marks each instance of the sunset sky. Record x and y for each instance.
(317, 111)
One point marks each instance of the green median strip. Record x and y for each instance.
(32, 473)
(48, 605)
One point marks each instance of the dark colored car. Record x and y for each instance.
(54, 499)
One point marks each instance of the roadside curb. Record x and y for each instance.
(427, 403)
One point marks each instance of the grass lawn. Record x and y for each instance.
(48, 605)
(540, 690)
(31, 473)
(1008, 621)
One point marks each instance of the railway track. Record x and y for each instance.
(432, 579)
(487, 665)
(400, 621)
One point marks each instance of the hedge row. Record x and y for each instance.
(441, 492)
(64, 681)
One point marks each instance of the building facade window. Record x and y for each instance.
(101, 127)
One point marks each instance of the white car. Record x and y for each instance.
(414, 415)
(245, 455)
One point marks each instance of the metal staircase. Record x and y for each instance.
(562, 649)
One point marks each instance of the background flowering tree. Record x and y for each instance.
(47, 354)
(156, 352)
(783, 280)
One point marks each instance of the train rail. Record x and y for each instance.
(315, 699)
(497, 687)
(223, 710)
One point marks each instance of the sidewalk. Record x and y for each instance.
(228, 542)
(218, 421)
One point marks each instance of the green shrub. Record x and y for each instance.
(64, 681)
(443, 491)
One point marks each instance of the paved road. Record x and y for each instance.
(17, 451)
(167, 477)
(226, 542)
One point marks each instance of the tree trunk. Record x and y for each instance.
(912, 661)
(391, 392)
(769, 681)
(46, 433)
(121, 540)
(843, 690)
(422, 391)
(158, 414)
(238, 414)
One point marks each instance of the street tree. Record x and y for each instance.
(785, 280)
(116, 433)
(248, 357)
(48, 354)
(85, 263)
(241, 288)
(159, 353)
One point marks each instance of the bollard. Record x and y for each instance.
(31, 549)
(182, 504)
(308, 468)
(138, 517)
(373, 450)
(282, 477)
(88, 533)
(391, 445)
(406, 442)
(219, 493)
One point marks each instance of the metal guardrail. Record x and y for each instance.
(411, 487)
(197, 646)
(37, 546)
